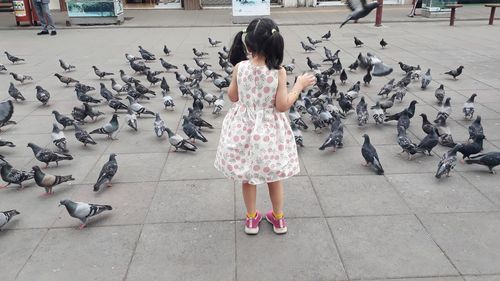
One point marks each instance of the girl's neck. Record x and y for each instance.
(258, 60)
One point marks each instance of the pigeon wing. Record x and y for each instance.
(6, 111)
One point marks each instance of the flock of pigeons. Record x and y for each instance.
(322, 106)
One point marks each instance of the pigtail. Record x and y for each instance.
(273, 49)
(237, 52)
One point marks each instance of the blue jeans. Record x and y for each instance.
(43, 13)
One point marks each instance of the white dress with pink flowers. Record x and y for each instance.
(256, 143)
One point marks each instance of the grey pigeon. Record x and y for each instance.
(476, 128)
(42, 95)
(58, 138)
(166, 50)
(335, 137)
(490, 160)
(131, 119)
(427, 126)
(357, 42)
(447, 162)
(109, 128)
(289, 67)
(166, 65)
(383, 43)
(387, 89)
(13, 58)
(15, 93)
(126, 78)
(455, 72)
(404, 119)
(439, 94)
(6, 216)
(164, 85)
(312, 41)
(475, 147)
(2, 67)
(83, 97)
(119, 88)
(101, 74)
(107, 173)
(306, 47)
(46, 155)
(83, 136)
(379, 67)
(168, 101)
(218, 105)
(159, 125)
(179, 142)
(83, 211)
(66, 66)
(297, 135)
(48, 181)
(65, 121)
(191, 131)
(65, 79)
(117, 105)
(378, 113)
(468, 108)
(130, 57)
(138, 108)
(360, 9)
(429, 142)
(296, 118)
(11, 175)
(199, 54)
(426, 79)
(106, 94)
(20, 77)
(370, 154)
(145, 54)
(83, 88)
(196, 119)
(444, 111)
(405, 143)
(327, 35)
(362, 112)
(6, 111)
(139, 66)
(213, 42)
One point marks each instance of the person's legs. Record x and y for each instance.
(250, 198)
(41, 17)
(276, 195)
(49, 20)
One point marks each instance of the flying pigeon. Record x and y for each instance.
(66, 79)
(490, 160)
(42, 95)
(48, 181)
(15, 93)
(83, 211)
(12, 58)
(447, 162)
(58, 138)
(455, 72)
(83, 136)
(370, 154)
(46, 155)
(360, 9)
(107, 173)
(178, 142)
(468, 108)
(66, 66)
(109, 128)
(6, 216)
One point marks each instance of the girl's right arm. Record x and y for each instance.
(232, 91)
(285, 100)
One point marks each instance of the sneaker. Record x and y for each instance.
(279, 226)
(252, 224)
(43, 32)
(53, 33)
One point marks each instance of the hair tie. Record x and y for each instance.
(273, 30)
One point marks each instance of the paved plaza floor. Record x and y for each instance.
(175, 217)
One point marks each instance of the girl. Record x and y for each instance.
(256, 144)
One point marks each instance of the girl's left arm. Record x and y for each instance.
(232, 91)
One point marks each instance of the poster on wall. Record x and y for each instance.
(247, 8)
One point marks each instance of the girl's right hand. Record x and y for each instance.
(305, 80)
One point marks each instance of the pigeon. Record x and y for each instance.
(178, 142)
(362, 112)
(2, 67)
(447, 162)
(370, 155)
(360, 9)
(92, 111)
(407, 68)
(290, 67)
(101, 74)
(11, 175)
(335, 137)
(490, 160)
(83, 88)
(119, 88)
(15, 93)
(159, 125)
(6, 111)
(428, 142)
(107, 173)
(388, 103)
(218, 104)
(221, 83)
(403, 83)
(6, 143)
(344, 103)
(107, 94)
(439, 94)
(142, 50)
(151, 78)
(83, 211)
(333, 88)
(427, 126)
(378, 113)
(117, 105)
(297, 135)
(191, 131)
(353, 66)
(126, 78)
(400, 93)
(147, 56)
(58, 138)
(358, 42)
(404, 119)
(79, 114)
(200, 63)
(197, 120)
(131, 119)
(166, 65)
(467, 149)
(66, 79)
(387, 89)
(455, 72)
(329, 56)
(48, 181)
(343, 77)
(410, 110)
(383, 44)
(19, 77)
(306, 47)
(138, 108)
(131, 58)
(6, 216)
(181, 78)
(327, 35)
(379, 68)
(426, 79)
(12, 58)
(199, 54)
(83, 136)
(405, 143)
(444, 112)
(475, 128)
(108, 129)
(312, 65)
(368, 77)
(223, 55)
(213, 42)
(143, 90)
(166, 50)
(313, 42)
(445, 137)
(83, 97)
(139, 66)
(468, 108)
(66, 66)
(42, 95)
(46, 155)
(164, 85)
(168, 101)
(296, 118)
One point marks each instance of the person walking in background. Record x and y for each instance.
(257, 144)
(43, 12)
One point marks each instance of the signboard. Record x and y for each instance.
(249, 8)
(19, 10)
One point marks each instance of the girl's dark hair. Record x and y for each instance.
(261, 37)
